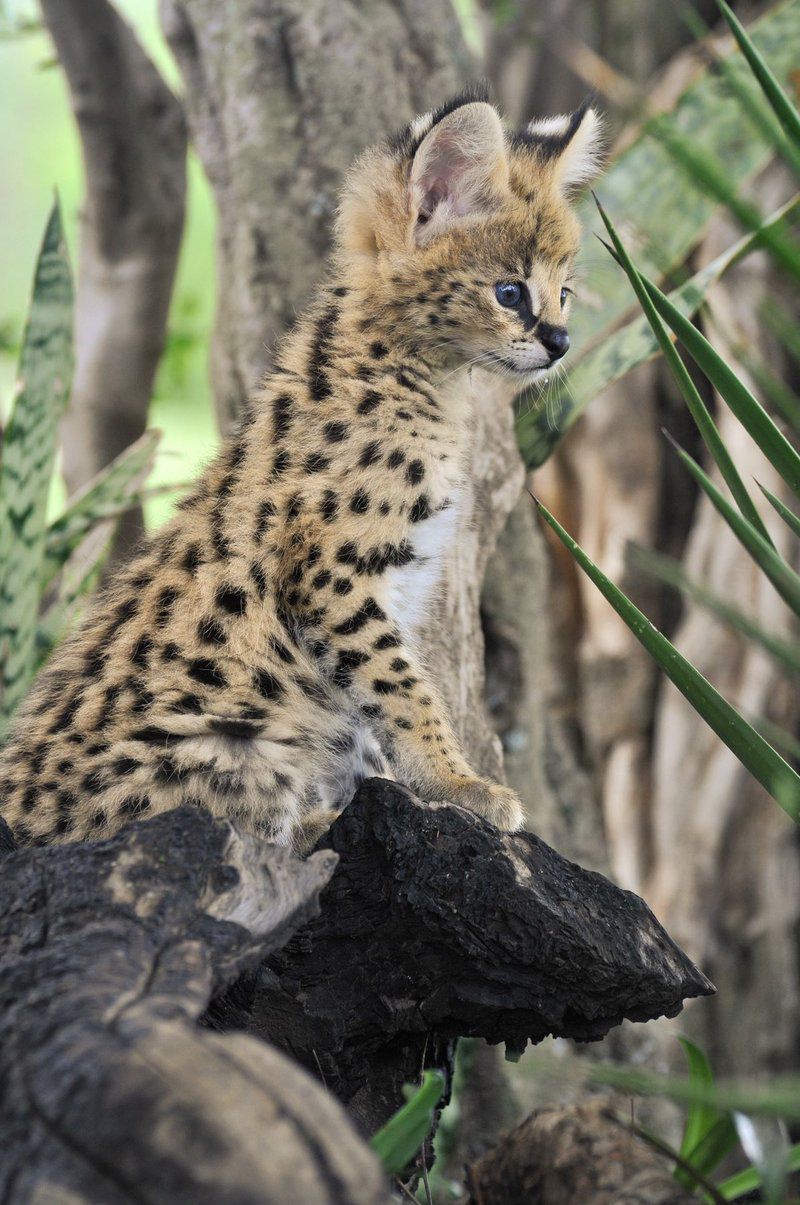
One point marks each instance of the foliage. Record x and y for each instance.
(46, 569)
(663, 224)
(398, 1141)
(742, 516)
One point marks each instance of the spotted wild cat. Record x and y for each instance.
(259, 655)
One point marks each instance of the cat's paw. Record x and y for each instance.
(499, 805)
(309, 828)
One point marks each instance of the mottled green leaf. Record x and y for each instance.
(29, 449)
(107, 496)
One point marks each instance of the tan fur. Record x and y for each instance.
(260, 654)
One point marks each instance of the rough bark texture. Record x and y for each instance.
(281, 97)
(109, 1091)
(133, 138)
(565, 1156)
(436, 926)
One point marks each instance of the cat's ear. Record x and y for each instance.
(459, 169)
(572, 143)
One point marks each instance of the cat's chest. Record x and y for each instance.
(412, 586)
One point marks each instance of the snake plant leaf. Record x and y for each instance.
(79, 576)
(697, 407)
(29, 449)
(733, 391)
(397, 1142)
(662, 223)
(767, 766)
(672, 573)
(108, 495)
(782, 576)
(791, 520)
(783, 108)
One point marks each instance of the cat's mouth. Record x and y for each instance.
(527, 373)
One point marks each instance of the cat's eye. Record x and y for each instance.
(508, 294)
(565, 292)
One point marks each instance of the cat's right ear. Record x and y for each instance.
(458, 170)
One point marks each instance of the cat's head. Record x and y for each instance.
(466, 232)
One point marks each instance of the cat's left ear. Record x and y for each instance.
(573, 143)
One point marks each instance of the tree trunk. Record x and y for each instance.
(133, 138)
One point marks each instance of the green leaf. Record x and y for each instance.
(80, 575)
(398, 1141)
(782, 107)
(747, 1181)
(619, 353)
(791, 520)
(697, 407)
(709, 1133)
(670, 571)
(29, 449)
(777, 393)
(783, 578)
(733, 391)
(108, 495)
(700, 1117)
(706, 171)
(767, 766)
(664, 214)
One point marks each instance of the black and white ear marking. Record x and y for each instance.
(458, 167)
(572, 141)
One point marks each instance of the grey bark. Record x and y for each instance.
(133, 139)
(111, 1092)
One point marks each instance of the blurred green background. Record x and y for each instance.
(40, 147)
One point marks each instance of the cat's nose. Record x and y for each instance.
(554, 339)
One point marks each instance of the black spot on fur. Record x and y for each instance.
(207, 672)
(420, 510)
(348, 661)
(370, 400)
(335, 432)
(378, 350)
(281, 463)
(231, 599)
(370, 454)
(342, 586)
(316, 463)
(192, 558)
(280, 648)
(164, 604)
(125, 765)
(259, 577)
(282, 415)
(382, 687)
(395, 459)
(330, 505)
(321, 580)
(319, 361)
(234, 727)
(267, 685)
(359, 503)
(415, 472)
(294, 506)
(368, 611)
(389, 640)
(134, 805)
(210, 631)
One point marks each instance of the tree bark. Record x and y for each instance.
(133, 139)
(110, 1091)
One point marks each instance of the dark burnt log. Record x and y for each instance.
(109, 1090)
(581, 1153)
(437, 926)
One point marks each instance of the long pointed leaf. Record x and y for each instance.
(667, 570)
(783, 108)
(700, 1116)
(791, 520)
(767, 766)
(697, 407)
(782, 576)
(743, 1183)
(540, 427)
(29, 449)
(777, 393)
(737, 397)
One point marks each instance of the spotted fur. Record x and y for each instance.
(260, 654)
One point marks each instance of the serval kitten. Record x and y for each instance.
(260, 654)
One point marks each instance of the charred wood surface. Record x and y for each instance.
(109, 1090)
(436, 926)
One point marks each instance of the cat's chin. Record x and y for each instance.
(522, 376)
